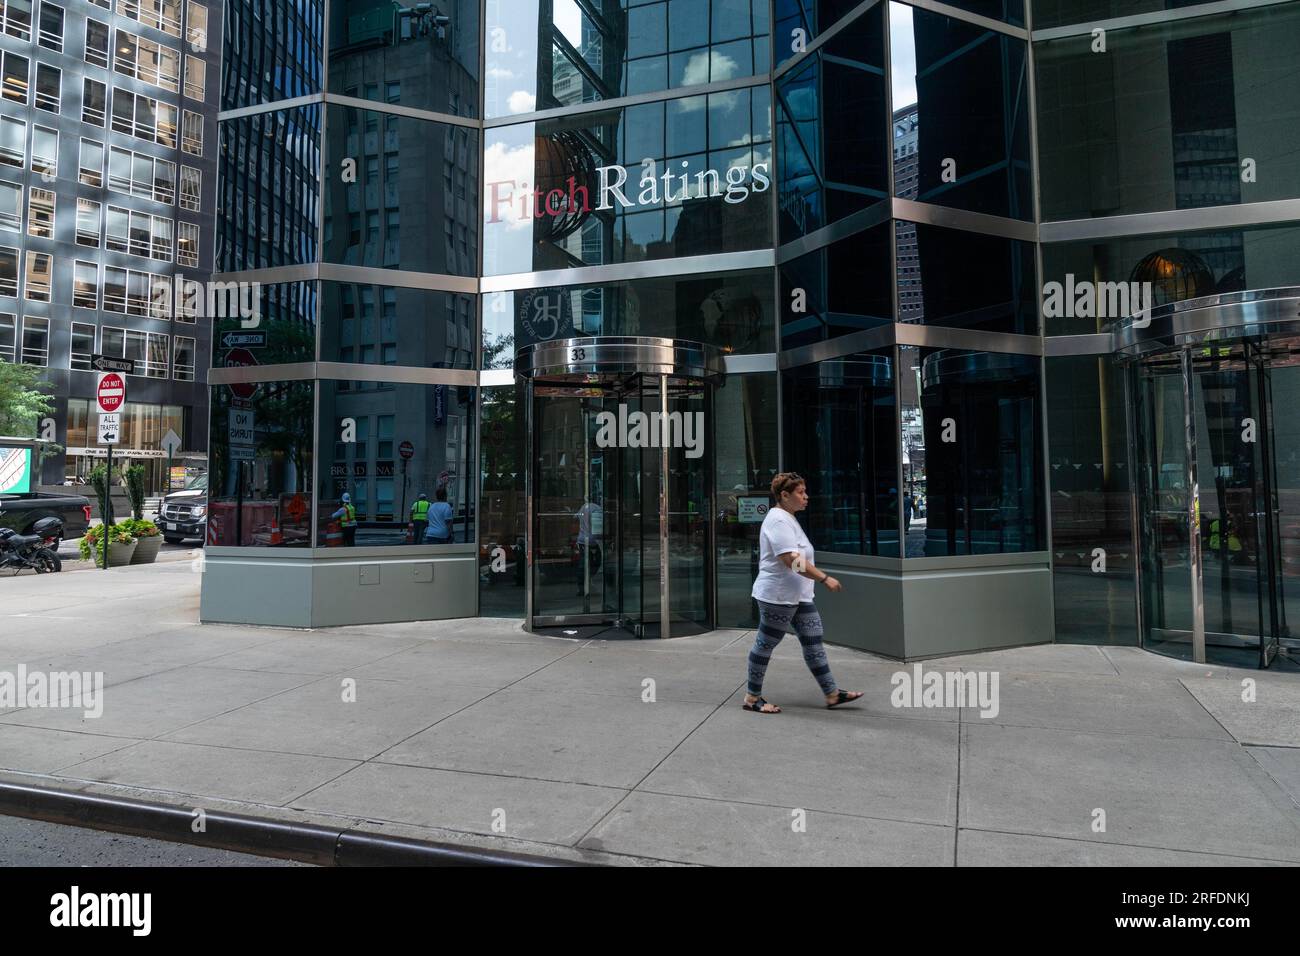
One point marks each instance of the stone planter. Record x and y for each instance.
(146, 550)
(119, 555)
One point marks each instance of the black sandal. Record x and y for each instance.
(757, 707)
(845, 697)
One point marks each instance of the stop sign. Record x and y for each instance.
(110, 392)
(406, 449)
(241, 358)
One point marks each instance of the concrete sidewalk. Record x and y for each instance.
(461, 725)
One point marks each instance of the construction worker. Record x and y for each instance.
(347, 516)
(420, 518)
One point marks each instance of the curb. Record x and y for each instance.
(304, 842)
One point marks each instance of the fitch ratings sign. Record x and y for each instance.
(110, 392)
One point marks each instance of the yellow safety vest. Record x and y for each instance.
(420, 511)
(349, 516)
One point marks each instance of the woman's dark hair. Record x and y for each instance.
(441, 494)
(786, 481)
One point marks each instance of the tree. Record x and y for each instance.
(22, 403)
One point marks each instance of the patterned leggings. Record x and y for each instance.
(774, 622)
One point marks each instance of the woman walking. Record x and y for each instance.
(784, 591)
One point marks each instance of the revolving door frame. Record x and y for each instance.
(594, 361)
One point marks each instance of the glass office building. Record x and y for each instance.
(107, 189)
(591, 272)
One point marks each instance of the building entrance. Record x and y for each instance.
(620, 487)
(1217, 452)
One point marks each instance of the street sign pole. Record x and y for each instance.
(108, 505)
(404, 514)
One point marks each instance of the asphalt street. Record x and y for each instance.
(37, 843)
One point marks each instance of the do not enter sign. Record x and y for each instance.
(406, 449)
(241, 358)
(110, 392)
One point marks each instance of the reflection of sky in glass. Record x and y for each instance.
(568, 21)
(902, 55)
(512, 58)
(508, 156)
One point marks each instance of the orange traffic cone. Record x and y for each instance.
(333, 535)
(276, 537)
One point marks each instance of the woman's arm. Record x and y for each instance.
(807, 569)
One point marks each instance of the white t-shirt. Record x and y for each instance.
(776, 584)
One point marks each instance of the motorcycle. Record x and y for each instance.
(38, 551)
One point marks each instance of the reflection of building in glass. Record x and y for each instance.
(911, 307)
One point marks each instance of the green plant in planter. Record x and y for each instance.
(139, 527)
(117, 534)
(134, 475)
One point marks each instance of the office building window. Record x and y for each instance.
(164, 15)
(8, 337)
(195, 78)
(183, 358)
(51, 31)
(88, 214)
(192, 133)
(85, 285)
(8, 271)
(11, 207)
(191, 188)
(90, 163)
(187, 244)
(132, 292)
(138, 233)
(196, 26)
(40, 213)
(94, 100)
(39, 272)
(148, 61)
(16, 15)
(36, 340)
(13, 141)
(137, 174)
(82, 346)
(149, 350)
(96, 43)
(15, 72)
(144, 118)
(45, 150)
(48, 80)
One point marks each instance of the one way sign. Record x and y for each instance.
(247, 340)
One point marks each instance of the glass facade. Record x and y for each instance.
(855, 212)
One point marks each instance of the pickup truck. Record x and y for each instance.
(21, 511)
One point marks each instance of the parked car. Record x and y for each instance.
(184, 514)
(21, 511)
